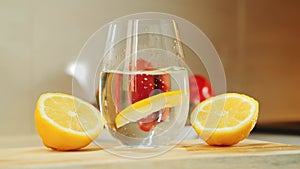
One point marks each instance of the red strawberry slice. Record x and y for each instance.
(149, 122)
(142, 64)
(143, 86)
(161, 84)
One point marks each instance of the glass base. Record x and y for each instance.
(138, 151)
(133, 150)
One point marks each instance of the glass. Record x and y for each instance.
(143, 86)
(123, 42)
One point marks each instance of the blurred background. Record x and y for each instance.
(258, 42)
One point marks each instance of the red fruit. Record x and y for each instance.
(161, 84)
(200, 89)
(143, 86)
(142, 64)
(148, 123)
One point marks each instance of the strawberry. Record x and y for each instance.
(143, 86)
(161, 84)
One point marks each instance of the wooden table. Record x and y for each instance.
(189, 154)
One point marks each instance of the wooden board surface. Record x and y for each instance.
(188, 154)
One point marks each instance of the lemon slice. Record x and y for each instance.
(225, 119)
(145, 107)
(65, 122)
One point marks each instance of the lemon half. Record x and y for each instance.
(225, 119)
(65, 122)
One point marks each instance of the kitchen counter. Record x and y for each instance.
(28, 152)
(278, 138)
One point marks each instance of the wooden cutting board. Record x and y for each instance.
(189, 154)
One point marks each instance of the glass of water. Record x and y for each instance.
(143, 83)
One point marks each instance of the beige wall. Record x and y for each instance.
(258, 42)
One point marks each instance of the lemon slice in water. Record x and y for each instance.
(145, 107)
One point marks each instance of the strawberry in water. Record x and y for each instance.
(161, 84)
(143, 86)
